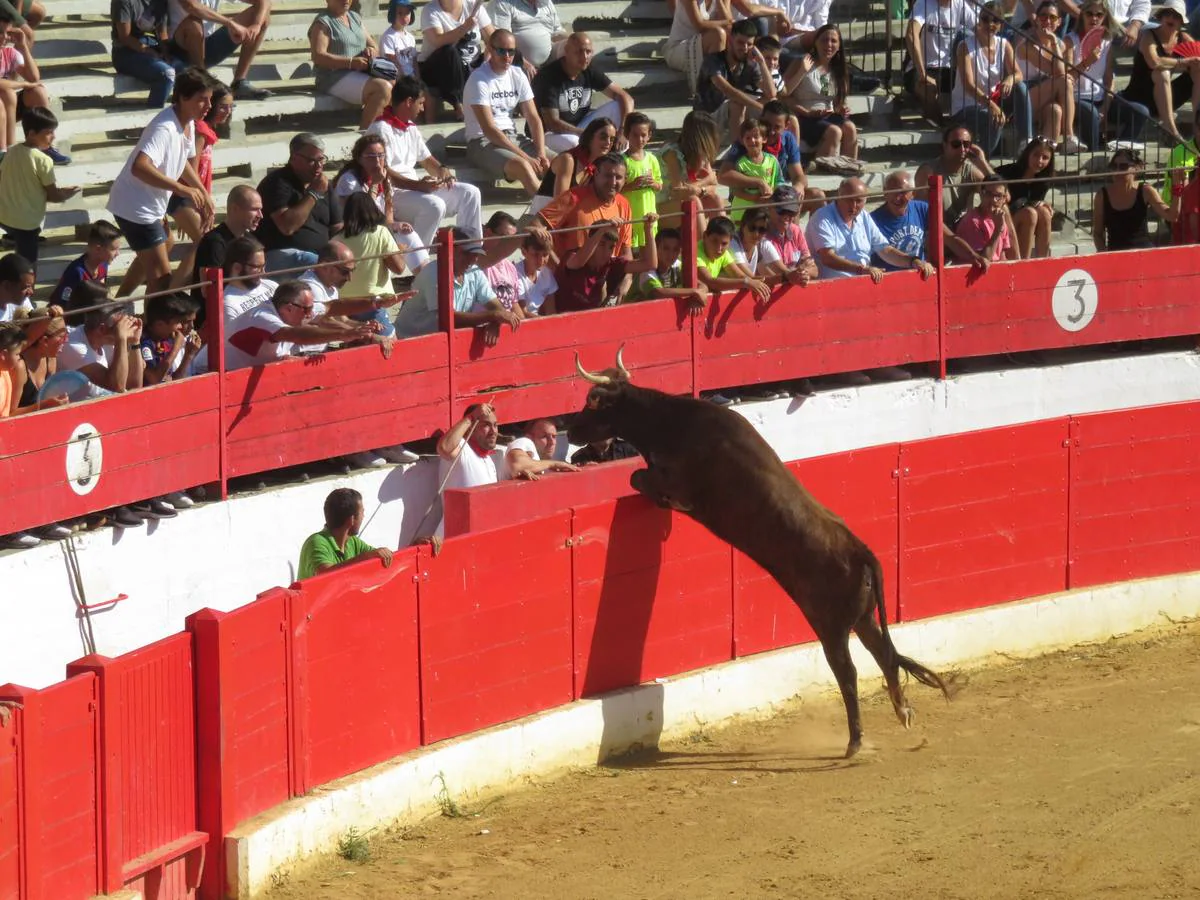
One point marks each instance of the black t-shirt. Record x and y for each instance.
(618, 449)
(281, 189)
(1021, 194)
(145, 17)
(746, 78)
(572, 97)
(210, 253)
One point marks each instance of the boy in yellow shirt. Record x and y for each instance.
(27, 182)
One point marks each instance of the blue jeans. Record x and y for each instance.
(288, 258)
(978, 120)
(1128, 118)
(155, 71)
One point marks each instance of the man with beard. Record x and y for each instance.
(598, 200)
(245, 287)
(734, 80)
(338, 544)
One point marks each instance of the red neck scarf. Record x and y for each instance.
(482, 454)
(389, 116)
(776, 148)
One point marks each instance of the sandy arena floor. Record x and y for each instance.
(1075, 775)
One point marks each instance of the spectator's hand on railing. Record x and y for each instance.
(798, 277)
(980, 262)
(386, 344)
(389, 300)
(927, 271)
(491, 334)
(54, 402)
(759, 288)
(875, 273)
(562, 467)
(384, 555)
(507, 317)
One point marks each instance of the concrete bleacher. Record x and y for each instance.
(102, 113)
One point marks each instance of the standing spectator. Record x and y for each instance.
(1121, 208)
(27, 182)
(599, 199)
(338, 544)
(105, 349)
(139, 46)
(1095, 102)
(643, 174)
(815, 87)
(342, 53)
(298, 215)
(536, 26)
(988, 228)
(397, 44)
(575, 166)
(245, 286)
(758, 170)
(453, 35)
(465, 457)
(532, 454)
(905, 223)
(592, 275)
(21, 85)
(494, 92)
(1151, 83)
(731, 82)
(425, 200)
(564, 90)
(157, 168)
(934, 26)
(698, 28)
(103, 246)
(988, 86)
(243, 214)
(16, 287)
(1032, 216)
(1042, 59)
(962, 165)
(843, 238)
(206, 37)
(690, 166)
(169, 340)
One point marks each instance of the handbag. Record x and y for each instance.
(379, 67)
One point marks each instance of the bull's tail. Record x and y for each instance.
(925, 675)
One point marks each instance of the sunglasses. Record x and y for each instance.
(961, 145)
(307, 307)
(505, 51)
(757, 229)
(1048, 17)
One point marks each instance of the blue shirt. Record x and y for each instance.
(419, 315)
(789, 154)
(75, 274)
(906, 233)
(856, 242)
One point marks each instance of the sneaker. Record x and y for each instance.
(158, 508)
(398, 454)
(1070, 144)
(180, 500)
(848, 379)
(60, 159)
(20, 540)
(718, 398)
(245, 90)
(54, 532)
(761, 392)
(889, 373)
(126, 517)
(369, 459)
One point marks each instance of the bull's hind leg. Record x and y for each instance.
(872, 638)
(837, 654)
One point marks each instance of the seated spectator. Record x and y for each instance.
(1150, 84)
(40, 358)
(754, 173)
(157, 168)
(757, 256)
(475, 303)
(17, 282)
(934, 26)
(397, 44)
(787, 236)
(592, 275)
(105, 348)
(988, 86)
(843, 238)
(103, 246)
(536, 284)
(564, 90)
(962, 166)
(666, 279)
(139, 47)
(643, 173)
(337, 544)
(243, 214)
(716, 266)
(426, 200)
(698, 28)
(27, 182)
(988, 228)
(607, 450)
(493, 94)
(342, 55)
(905, 223)
(690, 166)
(781, 143)
(532, 455)
(206, 37)
(1042, 58)
(1189, 213)
(815, 89)
(367, 236)
(299, 217)
(536, 26)
(13, 379)
(1095, 102)
(22, 86)
(1121, 208)
(453, 36)
(335, 266)
(574, 167)
(245, 286)
(1129, 18)
(1032, 216)
(599, 199)
(272, 331)
(170, 341)
(731, 82)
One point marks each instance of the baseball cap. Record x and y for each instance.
(784, 198)
(469, 244)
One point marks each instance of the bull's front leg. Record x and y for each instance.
(656, 485)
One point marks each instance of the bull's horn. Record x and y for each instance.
(591, 376)
(621, 365)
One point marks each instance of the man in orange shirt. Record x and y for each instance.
(598, 200)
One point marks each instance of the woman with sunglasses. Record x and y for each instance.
(989, 88)
(1121, 208)
(757, 256)
(1154, 64)
(1095, 102)
(573, 168)
(1032, 216)
(1043, 63)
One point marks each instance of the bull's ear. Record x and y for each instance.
(593, 402)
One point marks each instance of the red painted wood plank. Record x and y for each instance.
(10, 808)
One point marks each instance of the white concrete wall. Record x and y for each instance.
(223, 555)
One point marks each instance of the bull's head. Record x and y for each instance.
(595, 421)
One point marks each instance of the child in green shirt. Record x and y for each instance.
(754, 163)
(643, 175)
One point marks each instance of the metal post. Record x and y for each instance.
(938, 249)
(445, 298)
(689, 237)
(215, 318)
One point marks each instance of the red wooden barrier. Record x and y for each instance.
(334, 403)
(532, 372)
(983, 518)
(1071, 301)
(835, 326)
(652, 595)
(484, 508)
(355, 664)
(10, 802)
(1135, 493)
(58, 790)
(495, 613)
(89, 456)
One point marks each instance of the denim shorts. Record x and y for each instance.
(218, 47)
(140, 236)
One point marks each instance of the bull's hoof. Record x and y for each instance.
(907, 716)
(853, 747)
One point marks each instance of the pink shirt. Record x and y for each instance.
(791, 245)
(977, 228)
(505, 282)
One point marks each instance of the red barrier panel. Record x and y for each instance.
(58, 789)
(10, 802)
(355, 652)
(484, 508)
(334, 403)
(1071, 301)
(983, 518)
(90, 456)
(652, 595)
(1135, 494)
(836, 326)
(532, 372)
(495, 619)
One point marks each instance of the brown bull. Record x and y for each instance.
(712, 464)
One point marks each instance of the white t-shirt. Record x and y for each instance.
(8, 311)
(764, 254)
(405, 149)
(521, 443)
(240, 299)
(470, 470)
(322, 297)
(433, 16)
(169, 146)
(940, 27)
(502, 92)
(1090, 86)
(401, 48)
(248, 341)
(175, 15)
(77, 352)
(809, 15)
(534, 292)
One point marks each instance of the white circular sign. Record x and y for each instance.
(1075, 300)
(85, 459)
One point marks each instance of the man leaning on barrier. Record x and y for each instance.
(338, 544)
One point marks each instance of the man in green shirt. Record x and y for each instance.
(338, 543)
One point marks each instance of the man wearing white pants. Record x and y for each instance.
(422, 200)
(564, 89)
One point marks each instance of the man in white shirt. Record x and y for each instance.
(536, 26)
(425, 200)
(245, 287)
(105, 349)
(205, 37)
(465, 457)
(493, 93)
(934, 26)
(533, 453)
